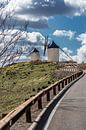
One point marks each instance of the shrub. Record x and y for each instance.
(3, 77)
(49, 82)
(14, 82)
(33, 89)
(38, 89)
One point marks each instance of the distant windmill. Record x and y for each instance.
(35, 55)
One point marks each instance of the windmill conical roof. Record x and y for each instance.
(35, 50)
(53, 45)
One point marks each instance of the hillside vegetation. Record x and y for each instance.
(23, 80)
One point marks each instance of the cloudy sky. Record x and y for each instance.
(64, 21)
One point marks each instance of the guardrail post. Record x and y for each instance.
(40, 103)
(59, 87)
(65, 81)
(54, 90)
(7, 127)
(73, 77)
(79, 74)
(48, 96)
(69, 80)
(63, 84)
(3, 115)
(28, 115)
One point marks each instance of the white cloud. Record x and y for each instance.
(63, 33)
(25, 42)
(82, 38)
(79, 57)
(63, 56)
(1, 46)
(81, 54)
(41, 10)
(79, 5)
(17, 4)
(35, 37)
(68, 51)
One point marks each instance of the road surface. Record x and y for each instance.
(71, 113)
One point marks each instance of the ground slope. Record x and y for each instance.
(23, 80)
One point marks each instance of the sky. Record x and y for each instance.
(64, 21)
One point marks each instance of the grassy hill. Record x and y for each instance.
(23, 80)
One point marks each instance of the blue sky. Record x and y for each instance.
(64, 21)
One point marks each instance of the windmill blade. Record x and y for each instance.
(46, 44)
(44, 49)
(66, 53)
(68, 56)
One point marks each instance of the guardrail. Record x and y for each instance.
(13, 116)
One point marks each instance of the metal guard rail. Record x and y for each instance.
(13, 116)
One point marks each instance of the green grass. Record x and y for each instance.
(22, 80)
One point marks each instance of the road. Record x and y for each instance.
(71, 113)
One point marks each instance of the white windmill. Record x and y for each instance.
(52, 50)
(35, 55)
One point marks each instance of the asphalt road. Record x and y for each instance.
(71, 113)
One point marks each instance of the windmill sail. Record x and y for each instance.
(66, 54)
(46, 44)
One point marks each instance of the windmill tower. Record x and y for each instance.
(35, 55)
(52, 50)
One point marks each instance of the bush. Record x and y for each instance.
(33, 89)
(38, 89)
(44, 87)
(28, 72)
(14, 82)
(49, 82)
(3, 77)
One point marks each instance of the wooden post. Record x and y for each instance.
(69, 80)
(7, 127)
(63, 84)
(65, 81)
(28, 115)
(40, 103)
(54, 90)
(73, 77)
(59, 87)
(48, 96)
(3, 115)
(79, 74)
